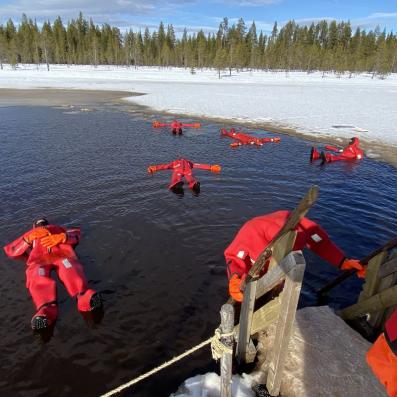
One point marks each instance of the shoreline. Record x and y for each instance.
(57, 97)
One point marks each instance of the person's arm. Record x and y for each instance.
(318, 241)
(207, 167)
(73, 236)
(17, 249)
(159, 167)
(191, 125)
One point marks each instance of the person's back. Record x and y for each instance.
(255, 235)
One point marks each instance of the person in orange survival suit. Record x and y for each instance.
(183, 168)
(257, 233)
(46, 248)
(382, 356)
(350, 152)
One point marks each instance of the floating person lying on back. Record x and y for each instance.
(245, 139)
(46, 248)
(256, 234)
(183, 168)
(176, 126)
(350, 152)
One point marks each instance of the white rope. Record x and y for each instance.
(215, 341)
(157, 369)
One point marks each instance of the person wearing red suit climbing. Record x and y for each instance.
(350, 152)
(257, 233)
(183, 168)
(382, 356)
(46, 248)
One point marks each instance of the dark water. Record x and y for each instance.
(157, 257)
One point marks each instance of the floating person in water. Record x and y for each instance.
(176, 126)
(245, 139)
(382, 356)
(257, 233)
(183, 168)
(350, 152)
(47, 248)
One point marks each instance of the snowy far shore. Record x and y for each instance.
(329, 106)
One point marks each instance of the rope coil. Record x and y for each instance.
(219, 346)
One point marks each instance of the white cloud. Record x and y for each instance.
(115, 12)
(250, 3)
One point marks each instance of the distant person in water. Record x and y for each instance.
(46, 248)
(182, 168)
(256, 234)
(176, 126)
(382, 356)
(350, 152)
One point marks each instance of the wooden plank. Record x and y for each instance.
(227, 324)
(266, 315)
(377, 302)
(371, 279)
(282, 248)
(274, 276)
(246, 314)
(376, 319)
(388, 268)
(285, 324)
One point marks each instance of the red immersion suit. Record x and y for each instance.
(176, 126)
(245, 139)
(350, 152)
(182, 168)
(256, 234)
(382, 356)
(41, 261)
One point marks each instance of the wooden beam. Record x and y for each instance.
(371, 278)
(380, 301)
(388, 268)
(278, 273)
(289, 303)
(246, 314)
(227, 323)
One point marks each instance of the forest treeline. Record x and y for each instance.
(325, 46)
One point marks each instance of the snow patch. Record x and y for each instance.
(208, 385)
(308, 103)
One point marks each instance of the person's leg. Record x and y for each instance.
(314, 154)
(42, 288)
(193, 183)
(71, 273)
(383, 363)
(176, 180)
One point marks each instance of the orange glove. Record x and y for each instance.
(354, 264)
(276, 139)
(234, 288)
(151, 169)
(216, 168)
(36, 233)
(53, 239)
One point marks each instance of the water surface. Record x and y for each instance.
(157, 257)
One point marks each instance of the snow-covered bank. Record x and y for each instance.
(307, 103)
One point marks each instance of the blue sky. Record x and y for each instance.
(207, 14)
